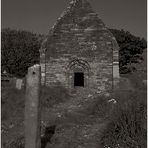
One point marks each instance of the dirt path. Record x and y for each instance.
(77, 127)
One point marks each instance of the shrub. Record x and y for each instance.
(126, 126)
(131, 49)
(19, 50)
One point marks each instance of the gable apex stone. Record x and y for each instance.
(74, 6)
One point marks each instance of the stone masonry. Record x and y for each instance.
(79, 46)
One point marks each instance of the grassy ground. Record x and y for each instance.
(83, 119)
(13, 104)
(76, 116)
(127, 127)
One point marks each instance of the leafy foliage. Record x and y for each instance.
(19, 50)
(131, 48)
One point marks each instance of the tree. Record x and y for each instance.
(131, 49)
(19, 50)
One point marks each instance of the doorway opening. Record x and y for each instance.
(79, 79)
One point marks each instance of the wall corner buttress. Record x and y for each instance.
(43, 66)
(116, 72)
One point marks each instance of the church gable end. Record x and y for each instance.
(79, 35)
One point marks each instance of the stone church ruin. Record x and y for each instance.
(80, 51)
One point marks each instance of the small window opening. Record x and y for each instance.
(79, 79)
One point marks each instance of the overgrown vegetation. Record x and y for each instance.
(127, 122)
(19, 50)
(13, 99)
(131, 49)
(13, 103)
(126, 119)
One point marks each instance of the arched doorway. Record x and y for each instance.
(79, 79)
(78, 73)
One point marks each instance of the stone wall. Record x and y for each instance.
(80, 35)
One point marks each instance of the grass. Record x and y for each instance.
(13, 99)
(13, 104)
(53, 95)
(127, 122)
(100, 107)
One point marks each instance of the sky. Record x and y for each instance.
(39, 15)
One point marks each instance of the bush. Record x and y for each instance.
(127, 126)
(19, 50)
(137, 80)
(131, 49)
